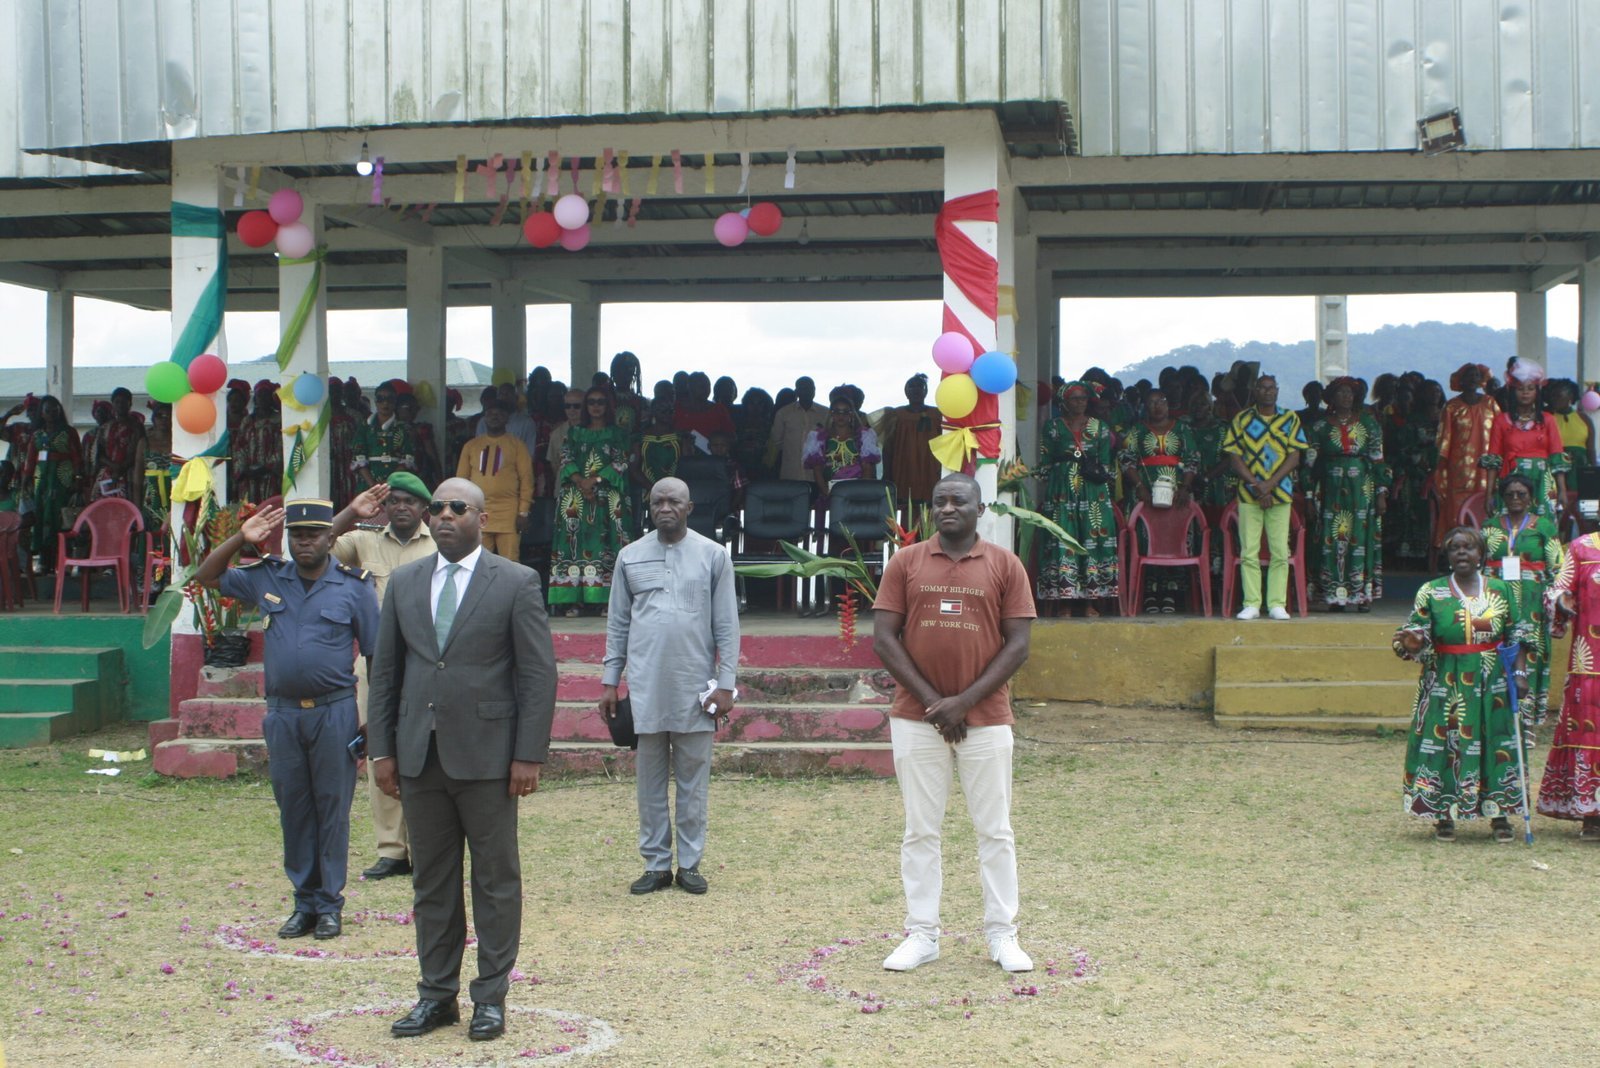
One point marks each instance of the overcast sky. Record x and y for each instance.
(874, 345)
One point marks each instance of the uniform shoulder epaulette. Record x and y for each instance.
(359, 572)
(258, 561)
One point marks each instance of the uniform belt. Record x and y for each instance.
(1465, 650)
(311, 702)
(1159, 461)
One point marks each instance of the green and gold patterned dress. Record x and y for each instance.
(1538, 547)
(590, 530)
(1461, 758)
(1081, 505)
(1348, 474)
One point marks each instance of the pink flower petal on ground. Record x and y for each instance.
(167, 969)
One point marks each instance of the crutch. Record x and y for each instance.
(1508, 661)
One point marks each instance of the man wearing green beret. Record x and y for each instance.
(401, 504)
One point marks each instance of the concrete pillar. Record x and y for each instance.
(58, 345)
(1049, 325)
(425, 328)
(509, 327)
(1532, 329)
(1589, 323)
(585, 343)
(310, 356)
(1333, 345)
(973, 164)
(1027, 347)
(198, 182)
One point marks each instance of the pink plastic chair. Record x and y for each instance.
(1167, 545)
(112, 523)
(1231, 557)
(10, 569)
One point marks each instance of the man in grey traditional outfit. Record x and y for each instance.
(673, 623)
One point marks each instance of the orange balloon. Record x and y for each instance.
(195, 412)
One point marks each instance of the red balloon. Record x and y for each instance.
(257, 229)
(541, 229)
(765, 218)
(207, 373)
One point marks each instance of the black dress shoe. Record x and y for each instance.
(488, 1021)
(299, 925)
(424, 1017)
(691, 880)
(386, 867)
(329, 925)
(650, 882)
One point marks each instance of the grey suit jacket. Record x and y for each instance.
(489, 694)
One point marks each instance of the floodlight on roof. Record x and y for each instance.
(364, 164)
(1441, 132)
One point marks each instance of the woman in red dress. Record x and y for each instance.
(1527, 441)
(1464, 430)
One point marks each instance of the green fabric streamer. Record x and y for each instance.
(305, 447)
(205, 322)
(302, 311)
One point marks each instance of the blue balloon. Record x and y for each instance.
(994, 372)
(309, 389)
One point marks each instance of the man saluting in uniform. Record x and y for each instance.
(313, 612)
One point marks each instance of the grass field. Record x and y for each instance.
(1199, 896)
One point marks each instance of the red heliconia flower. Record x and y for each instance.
(847, 617)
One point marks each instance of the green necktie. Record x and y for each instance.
(445, 614)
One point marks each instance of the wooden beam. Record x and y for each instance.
(1378, 168)
(1084, 258)
(1198, 285)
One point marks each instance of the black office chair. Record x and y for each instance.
(774, 510)
(863, 507)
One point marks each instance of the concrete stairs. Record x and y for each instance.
(52, 692)
(808, 706)
(1313, 687)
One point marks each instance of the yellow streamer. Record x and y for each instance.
(956, 445)
(1024, 402)
(461, 179)
(1006, 302)
(655, 173)
(194, 481)
(711, 172)
(599, 176)
(255, 188)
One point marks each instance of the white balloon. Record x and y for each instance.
(571, 211)
(295, 241)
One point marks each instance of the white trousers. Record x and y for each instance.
(925, 764)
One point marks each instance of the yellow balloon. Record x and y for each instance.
(502, 375)
(424, 392)
(956, 396)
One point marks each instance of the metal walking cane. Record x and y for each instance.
(1508, 661)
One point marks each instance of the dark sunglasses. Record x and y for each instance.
(596, 403)
(579, 404)
(438, 507)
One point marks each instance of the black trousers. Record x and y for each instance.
(445, 816)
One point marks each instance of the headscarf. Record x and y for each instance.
(1079, 388)
(1527, 371)
(266, 385)
(453, 399)
(1483, 372)
(238, 385)
(101, 407)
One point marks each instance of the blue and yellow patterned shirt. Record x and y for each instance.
(1263, 442)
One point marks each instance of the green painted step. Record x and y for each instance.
(1377, 700)
(1314, 723)
(60, 661)
(50, 695)
(1311, 664)
(20, 729)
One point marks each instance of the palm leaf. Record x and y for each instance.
(158, 624)
(1029, 518)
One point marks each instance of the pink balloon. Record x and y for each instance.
(572, 211)
(295, 241)
(953, 354)
(731, 229)
(1591, 401)
(285, 207)
(573, 240)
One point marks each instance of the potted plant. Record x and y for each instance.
(223, 622)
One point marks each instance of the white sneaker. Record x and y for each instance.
(1250, 612)
(1279, 612)
(1005, 952)
(916, 950)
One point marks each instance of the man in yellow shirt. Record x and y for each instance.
(403, 501)
(500, 465)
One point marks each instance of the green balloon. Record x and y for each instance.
(166, 382)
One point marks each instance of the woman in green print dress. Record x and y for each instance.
(1533, 546)
(1160, 450)
(1351, 482)
(592, 517)
(1075, 461)
(1461, 756)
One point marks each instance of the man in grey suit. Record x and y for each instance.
(463, 691)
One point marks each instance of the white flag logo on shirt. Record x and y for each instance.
(949, 606)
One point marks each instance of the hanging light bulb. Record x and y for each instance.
(804, 237)
(364, 164)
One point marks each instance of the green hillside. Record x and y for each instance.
(1435, 349)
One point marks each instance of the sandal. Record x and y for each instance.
(572, 613)
(1502, 829)
(1444, 830)
(1590, 832)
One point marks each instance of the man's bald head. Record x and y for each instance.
(459, 489)
(670, 506)
(457, 535)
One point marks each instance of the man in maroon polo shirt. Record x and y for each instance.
(951, 623)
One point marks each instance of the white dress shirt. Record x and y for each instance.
(463, 577)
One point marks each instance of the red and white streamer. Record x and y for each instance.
(972, 297)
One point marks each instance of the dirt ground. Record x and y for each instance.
(1190, 896)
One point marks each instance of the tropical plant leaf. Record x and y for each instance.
(168, 603)
(778, 570)
(798, 554)
(1029, 517)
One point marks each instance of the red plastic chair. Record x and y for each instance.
(10, 568)
(1231, 558)
(111, 523)
(157, 553)
(1124, 558)
(1167, 540)
(1473, 510)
